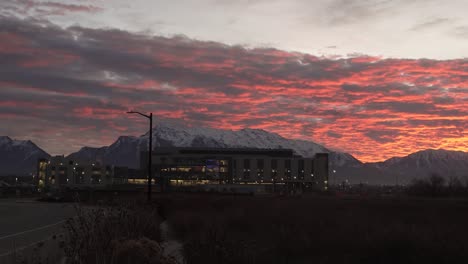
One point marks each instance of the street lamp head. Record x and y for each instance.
(136, 112)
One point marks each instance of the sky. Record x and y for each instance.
(374, 78)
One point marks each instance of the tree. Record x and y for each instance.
(436, 184)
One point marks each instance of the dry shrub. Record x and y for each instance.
(93, 233)
(142, 251)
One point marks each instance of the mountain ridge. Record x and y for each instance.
(449, 163)
(169, 135)
(19, 157)
(125, 151)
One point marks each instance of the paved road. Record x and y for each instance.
(26, 222)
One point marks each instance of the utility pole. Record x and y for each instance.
(150, 146)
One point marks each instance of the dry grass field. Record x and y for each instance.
(317, 229)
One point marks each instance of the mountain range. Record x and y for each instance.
(19, 157)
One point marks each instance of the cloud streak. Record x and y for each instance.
(44, 8)
(76, 83)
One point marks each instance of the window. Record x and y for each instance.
(300, 169)
(287, 168)
(96, 179)
(312, 167)
(260, 167)
(79, 175)
(234, 168)
(274, 168)
(246, 168)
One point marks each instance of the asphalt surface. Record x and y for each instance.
(26, 222)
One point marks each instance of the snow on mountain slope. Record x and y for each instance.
(245, 138)
(180, 136)
(19, 157)
(423, 163)
(125, 151)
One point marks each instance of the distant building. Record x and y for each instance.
(59, 171)
(124, 175)
(189, 166)
(195, 166)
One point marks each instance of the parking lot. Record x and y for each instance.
(26, 222)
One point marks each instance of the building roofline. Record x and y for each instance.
(225, 151)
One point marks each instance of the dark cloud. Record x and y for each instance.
(443, 100)
(403, 107)
(333, 134)
(43, 8)
(381, 136)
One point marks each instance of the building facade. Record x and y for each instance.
(59, 171)
(238, 166)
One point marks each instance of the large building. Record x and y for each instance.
(238, 166)
(59, 171)
(196, 166)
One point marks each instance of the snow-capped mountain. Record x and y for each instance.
(422, 163)
(125, 151)
(19, 157)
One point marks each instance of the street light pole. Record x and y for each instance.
(150, 146)
(150, 175)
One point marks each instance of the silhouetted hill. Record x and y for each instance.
(19, 157)
(422, 163)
